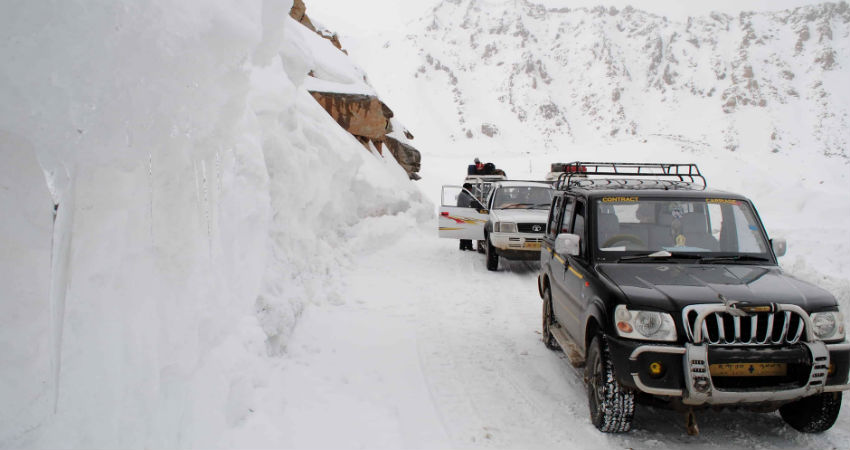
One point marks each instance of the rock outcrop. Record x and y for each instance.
(299, 13)
(408, 157)
(365, 116)
(361, 115)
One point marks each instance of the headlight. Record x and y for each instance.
(507, 227)
(644, 325)
(829, 325)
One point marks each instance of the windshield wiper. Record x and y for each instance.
(662, 255)
(734, 258)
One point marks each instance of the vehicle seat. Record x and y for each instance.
(695, 229)
(609, 226)
(661, 234)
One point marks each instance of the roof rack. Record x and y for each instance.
(688, 173)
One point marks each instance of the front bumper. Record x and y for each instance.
(687, 374)
(517, 245)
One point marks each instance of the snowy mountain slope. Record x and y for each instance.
(633, 86)
(204, 199)
(568, 75)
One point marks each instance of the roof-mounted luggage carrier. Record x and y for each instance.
(684, 173)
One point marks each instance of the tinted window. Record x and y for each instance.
(696, 225)
(554, 218)
(568, 214)
(523, 197)
(578, 227)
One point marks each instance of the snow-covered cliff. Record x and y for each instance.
(204, 198)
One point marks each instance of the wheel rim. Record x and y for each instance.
(596, 392)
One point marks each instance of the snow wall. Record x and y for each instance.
(204, 199)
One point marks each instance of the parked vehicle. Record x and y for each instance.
(510, 226)
(669, 293)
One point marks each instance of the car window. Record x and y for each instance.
(523, 197)
(554, 217)
(578, 228)
(696, 225)
(568, 214)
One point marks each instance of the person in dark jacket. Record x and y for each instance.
(475, 169)
(466, 200)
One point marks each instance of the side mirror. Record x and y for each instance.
(567, 244)
(780, 246)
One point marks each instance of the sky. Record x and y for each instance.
(350, 18)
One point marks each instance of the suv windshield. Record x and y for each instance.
(701, 226)
(523, 197)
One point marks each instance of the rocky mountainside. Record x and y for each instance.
(768, 82)
(345, 93)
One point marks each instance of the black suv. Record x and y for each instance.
(669, 293)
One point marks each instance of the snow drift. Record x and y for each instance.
(203, 199)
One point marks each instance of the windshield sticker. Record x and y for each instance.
(619, 199)
(727, 201)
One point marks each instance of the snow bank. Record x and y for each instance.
(204, 200)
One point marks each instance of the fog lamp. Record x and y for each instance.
(831, 369)
(701, 384)
(656, 369)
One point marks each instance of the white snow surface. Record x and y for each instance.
(227, 268)
(204, 200)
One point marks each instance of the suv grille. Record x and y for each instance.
(763, 328)
(530, 227)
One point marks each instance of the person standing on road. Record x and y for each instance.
(466, 200)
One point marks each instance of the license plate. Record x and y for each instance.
(533, 245)
(748, 370)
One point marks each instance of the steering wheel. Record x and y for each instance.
(624, 238)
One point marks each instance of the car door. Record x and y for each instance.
(460, 222)
(574, 276)
(547, 251)
(560, 269)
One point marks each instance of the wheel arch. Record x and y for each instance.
(543, 283)
(594, 324)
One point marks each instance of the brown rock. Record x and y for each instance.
(299, 13)
(360, 115)
(333, 37)
(408, 157)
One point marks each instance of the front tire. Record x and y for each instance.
(612, 406)
(548, 321)
(490, 254)
(814, 414)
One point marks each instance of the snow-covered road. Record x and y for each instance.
(427, 349)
